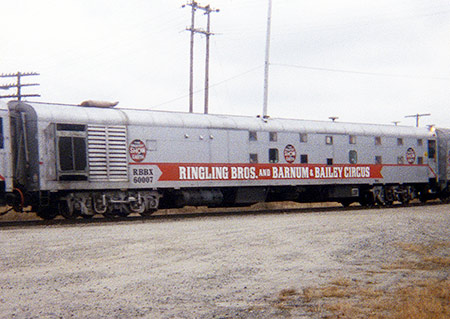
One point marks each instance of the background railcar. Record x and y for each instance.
(81, 160)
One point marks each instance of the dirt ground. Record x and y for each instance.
(218, 267)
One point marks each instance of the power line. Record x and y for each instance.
(18, 85)
(213, 85)
(362, 72)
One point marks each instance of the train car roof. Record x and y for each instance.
(3, 105)
(64, 113)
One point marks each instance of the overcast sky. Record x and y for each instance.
(363, 61)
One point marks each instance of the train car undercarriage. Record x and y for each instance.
(110, 203)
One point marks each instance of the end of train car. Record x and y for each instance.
(6, 183)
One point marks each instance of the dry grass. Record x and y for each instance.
(286, 293)
(285, 299)
(424, 257)
(423, 300)
(16, 216)
(408, 298)
(341, 282)
(420, 300)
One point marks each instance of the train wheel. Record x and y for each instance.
(148, 212)
(404, 197)
(47, 213)
(115, 213)
(66, 212)
(423, 198)
(346, 202)
(366, 199)
(389, 196)
(110, 215)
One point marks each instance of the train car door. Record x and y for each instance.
(5, 153)
(432, 157)
(444, 155)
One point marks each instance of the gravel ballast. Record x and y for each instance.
(222, 267)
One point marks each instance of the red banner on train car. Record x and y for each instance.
(225, 172)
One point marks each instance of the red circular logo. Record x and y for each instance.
(290, 153)
(137, 150)
(410, 155)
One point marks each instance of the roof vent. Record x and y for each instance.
(103, 104)
(334, 118)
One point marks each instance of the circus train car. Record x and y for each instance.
(83, 160)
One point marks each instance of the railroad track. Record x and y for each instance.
(192, 215)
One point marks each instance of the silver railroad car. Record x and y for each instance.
(82, 160)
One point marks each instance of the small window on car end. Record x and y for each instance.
(253, 158)
(273, 155)
(273, 136)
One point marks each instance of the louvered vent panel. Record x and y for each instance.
(107, 153)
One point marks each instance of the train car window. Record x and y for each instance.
(352, 139)
(253, 158)
(420, 160)
(329, 161)
(151, 145)
(65, 153)
(1, 133)
(304, 158)
(72, 153)
(400, 160)
(419, 142)
(353, 157)
(273, 136)
(377, 140)
(431, 149)
(399, 141)
(252, 136)
(378, 160)
(273, 155)
(303, 138)
(329, 140)
(79, 153)
(70, 127)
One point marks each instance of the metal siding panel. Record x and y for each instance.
(107, 149)
(218, 146)
(238, 145)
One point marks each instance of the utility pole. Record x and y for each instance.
(418, 116)
(194, 6)
(18, 85)
(266, 64)
(208, 33)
